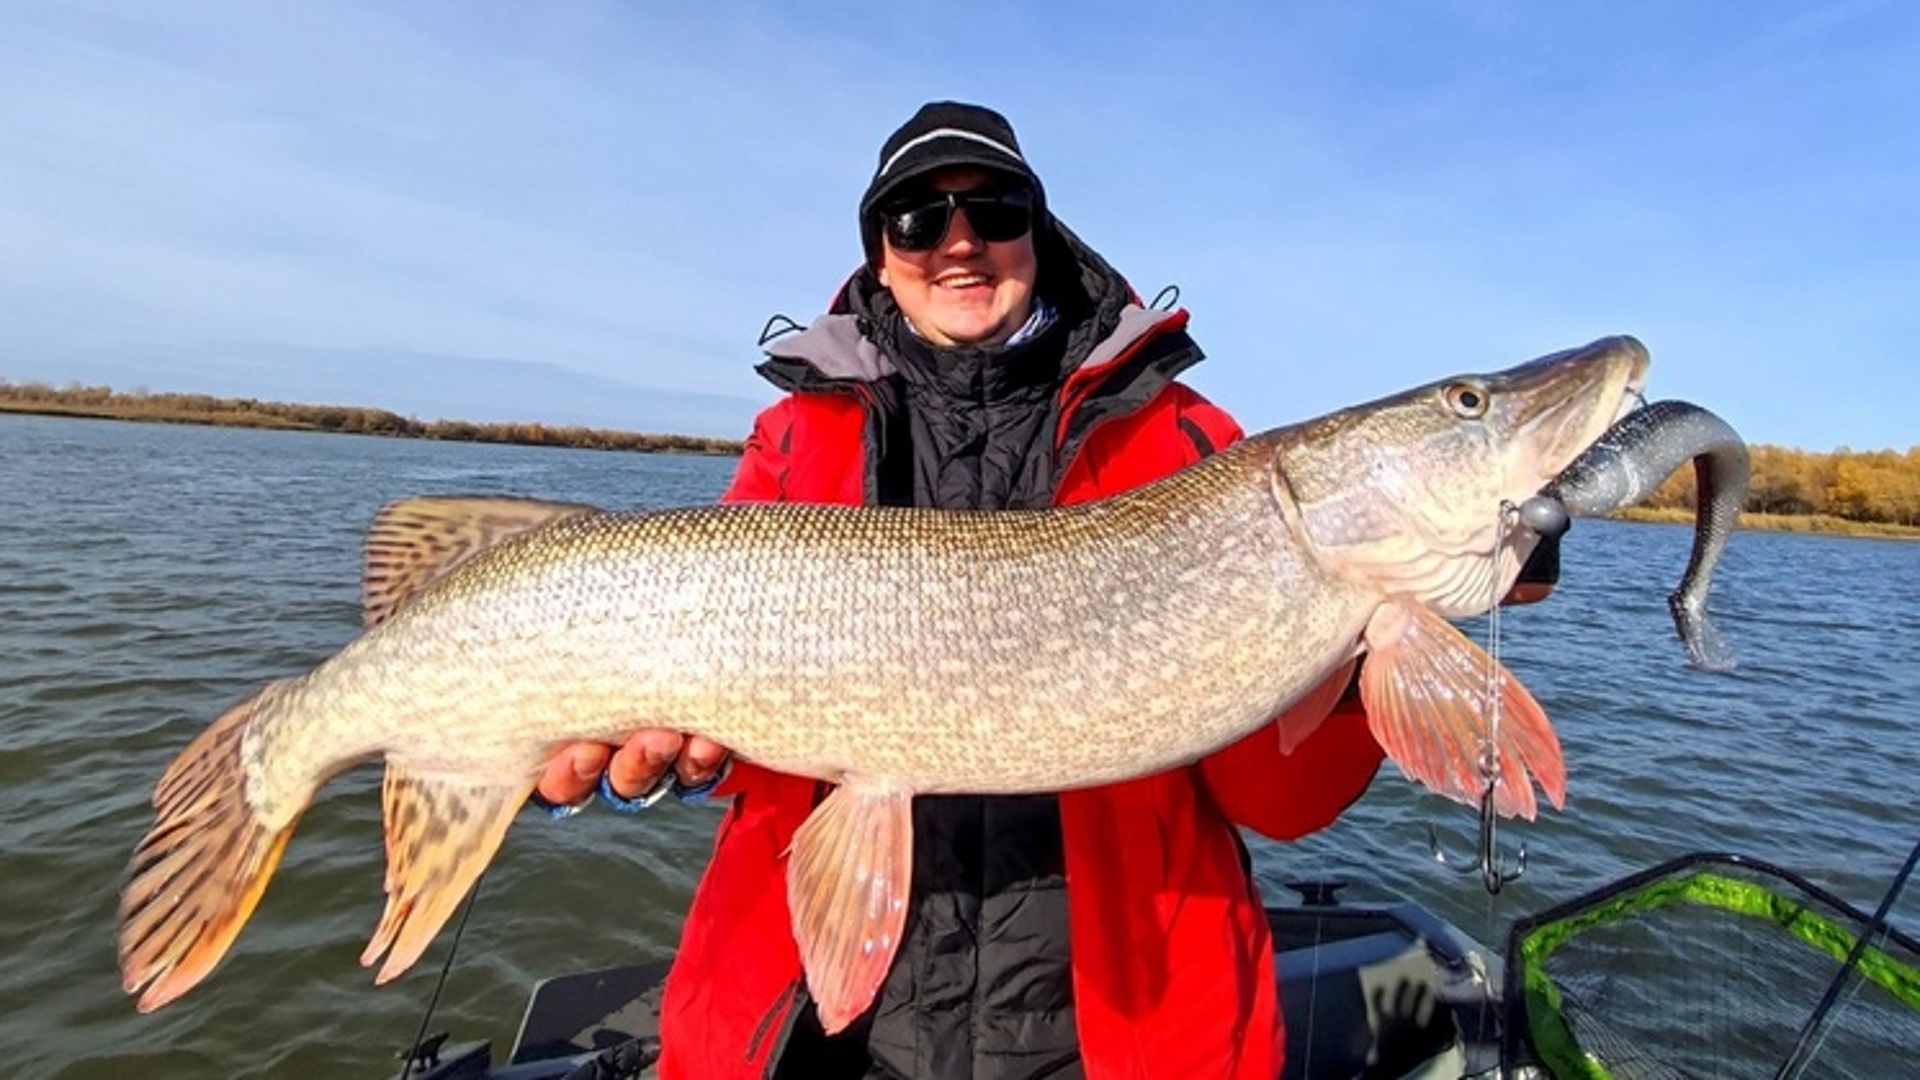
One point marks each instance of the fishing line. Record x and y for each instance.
(1486, 857)
(453, 948)
(1492, 873)
(1490, 750)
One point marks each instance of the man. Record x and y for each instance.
(985, 358)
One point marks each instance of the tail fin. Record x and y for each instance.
(198, 873)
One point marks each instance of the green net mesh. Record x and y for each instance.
(1711, 967)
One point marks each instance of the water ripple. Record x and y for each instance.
(217, 560)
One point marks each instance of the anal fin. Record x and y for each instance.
(442, 830)
(847, 881)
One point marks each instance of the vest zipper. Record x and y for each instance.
(785, 1008)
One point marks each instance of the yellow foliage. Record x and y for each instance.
(1880, 486)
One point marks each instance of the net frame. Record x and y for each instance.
(1538, 1031)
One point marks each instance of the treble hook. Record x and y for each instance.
(1534, 514)
(1486, 857)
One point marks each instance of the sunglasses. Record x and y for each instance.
(996, 218)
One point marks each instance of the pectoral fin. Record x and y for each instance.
(847, 881)
(441, 832)
(1425, 689)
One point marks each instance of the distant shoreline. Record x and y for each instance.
(335, 420)
(101, 403)
(1750, 521)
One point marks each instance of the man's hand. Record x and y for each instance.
(632, 768)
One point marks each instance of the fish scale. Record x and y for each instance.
(932, 668)
(893, 652)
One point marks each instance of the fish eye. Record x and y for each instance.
(1467, 400)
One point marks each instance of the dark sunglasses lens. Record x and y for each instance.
(918, 228)
(1000, 218)
(995, 219)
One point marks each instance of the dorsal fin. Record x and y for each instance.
(416, 542)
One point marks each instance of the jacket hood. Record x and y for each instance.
(1088, 294)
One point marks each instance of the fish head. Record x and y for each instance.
(1413, 495)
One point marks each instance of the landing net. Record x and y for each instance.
(1710, 966)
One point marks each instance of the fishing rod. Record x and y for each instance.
(1813, 1031)
(422, 1047)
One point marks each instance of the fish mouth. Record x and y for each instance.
(1455, 550)
(1566, 401)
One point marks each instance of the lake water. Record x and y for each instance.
(152, 575)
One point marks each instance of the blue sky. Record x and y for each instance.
(584, 212)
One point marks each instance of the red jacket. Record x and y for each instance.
(1171, 955)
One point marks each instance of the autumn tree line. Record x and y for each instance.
(1875, 487)
(101, 401)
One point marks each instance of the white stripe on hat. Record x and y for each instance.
(949, 133)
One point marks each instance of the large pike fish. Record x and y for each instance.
(894, 652)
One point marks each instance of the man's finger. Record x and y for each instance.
(641, 761)
(699, 760)
(572, 774)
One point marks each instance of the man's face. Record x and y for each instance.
(963, 290)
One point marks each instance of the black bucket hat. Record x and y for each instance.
(941, 135)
